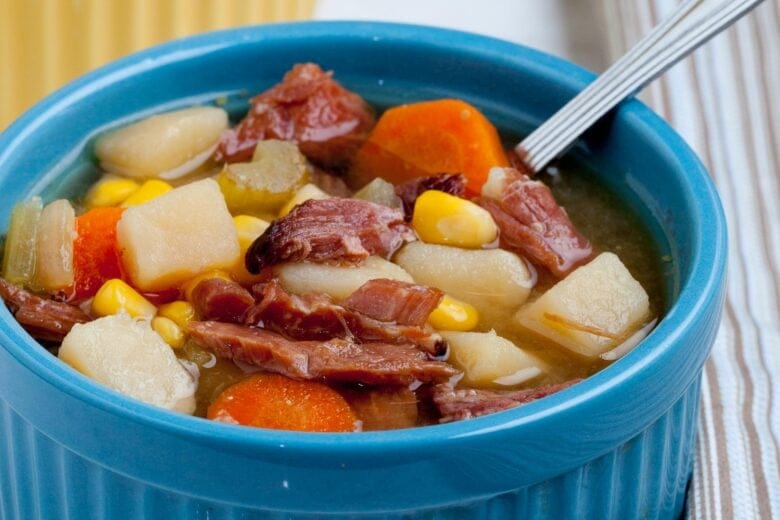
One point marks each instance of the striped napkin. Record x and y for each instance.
(725, 100)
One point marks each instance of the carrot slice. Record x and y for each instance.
(430, 137)
(280, 403)
(95, 253)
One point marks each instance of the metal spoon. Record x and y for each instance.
(692, 24)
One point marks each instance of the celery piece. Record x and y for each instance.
(19, 257)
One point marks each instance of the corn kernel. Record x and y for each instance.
(180, 312)
(116, 296)
(248, 228)
(452, 314)
(190, 285)
(169, 331)
(441, 218)
(306, 192)
(149, 190)
(110, 192)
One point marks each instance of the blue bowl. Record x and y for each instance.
(618, 445)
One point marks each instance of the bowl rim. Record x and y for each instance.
(701, 286)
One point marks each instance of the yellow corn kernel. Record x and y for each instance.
(149, 190)
(169, 331)
(306, 192)
(248, 228)
(441, 218)
(180, 312)
(452, 314)
(190, 285)
(110, 192)
(116, 296)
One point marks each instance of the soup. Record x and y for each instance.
(315, 268)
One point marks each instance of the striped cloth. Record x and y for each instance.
(725, 100)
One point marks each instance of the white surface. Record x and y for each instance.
(567, 28)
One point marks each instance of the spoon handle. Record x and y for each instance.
(692, 24)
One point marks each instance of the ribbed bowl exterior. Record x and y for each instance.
(644, 478)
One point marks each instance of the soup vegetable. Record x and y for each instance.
(315, 268)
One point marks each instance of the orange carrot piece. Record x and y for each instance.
(280, 403)
(95, 253)
(430, 137)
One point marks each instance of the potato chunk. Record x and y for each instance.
(54, 246)
(337, 281)
(489, 360)
(596, 307)
(486, 278)
(177, 235)
(128, 356)
(165, 146)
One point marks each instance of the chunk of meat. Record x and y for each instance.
(46, 320)
(456, 404)
(395, 301)
(334, 361)
(221, 300)
(452, 183)
(330, 230)
(535, 226)
(317, 317)
(330, 183)
(328, 122)
(384, 407)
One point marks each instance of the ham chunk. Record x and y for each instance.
(391, 300)
(221, 300)
(317, 317)
(333, 361)
(328, 122)
(456, 404)
(532, 223)
(330, 230)
(46, 320)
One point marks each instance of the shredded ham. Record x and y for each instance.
(534, 225)
(456, 404)
(221, 300)
(334, 361)
(395, 301)
(46, 320)
(330, 230)
(308, 107)
(317, 317)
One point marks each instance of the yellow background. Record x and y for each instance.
(45, 43)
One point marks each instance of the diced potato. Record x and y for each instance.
(165, 146)
(484, 278)
(54, 246)
(590, 311)
(307, 192)
(128, 356)
(19, 253)
(337, 281)
(441, 218)
(176, 236)
(262, 186)
(379, 191)
(488, 359)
